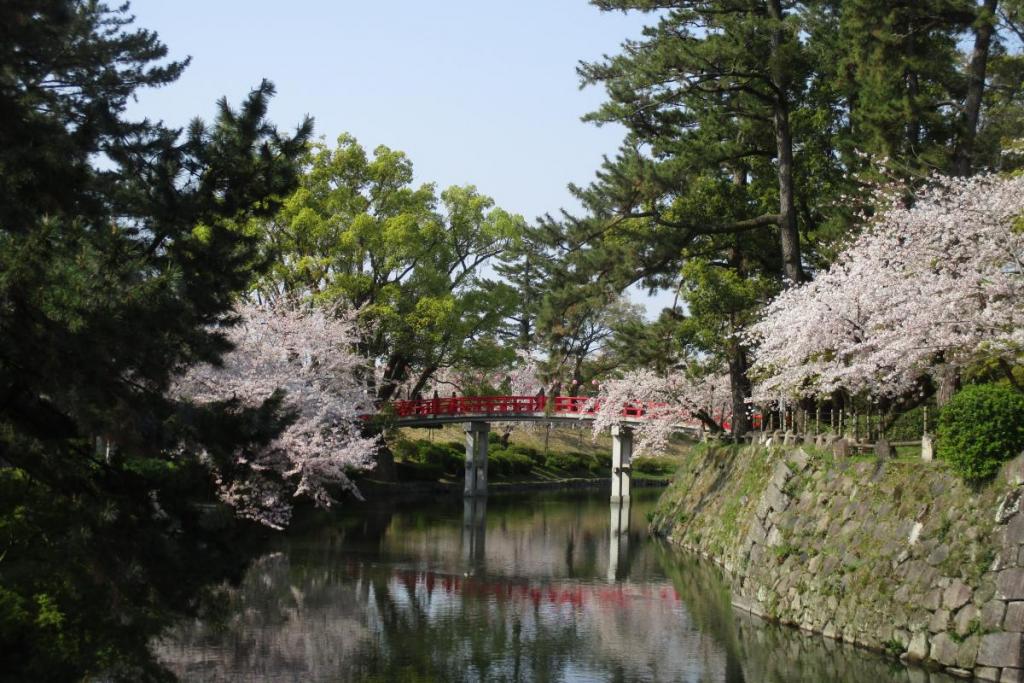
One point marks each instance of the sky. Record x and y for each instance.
(473, 91)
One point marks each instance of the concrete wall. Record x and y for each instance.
(894, 556)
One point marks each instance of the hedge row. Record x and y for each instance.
(423, 460)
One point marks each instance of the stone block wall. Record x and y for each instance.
(895, 556)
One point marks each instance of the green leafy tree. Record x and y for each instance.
(754, 128)
(720, 79)
(120, 253)
(358, 233)
(577, 337)
(526, 265)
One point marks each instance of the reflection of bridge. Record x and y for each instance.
(474, 537)
(477, 412)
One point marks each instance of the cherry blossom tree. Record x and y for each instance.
(678, 398)
(306, 354)
(925, 291)
(525, 377)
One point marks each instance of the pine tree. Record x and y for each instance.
(121, 252)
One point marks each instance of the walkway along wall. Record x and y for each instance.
(892, 556)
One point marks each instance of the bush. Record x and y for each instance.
(416, 471)
(579, 463)
(405, 450)
(441, 456)
(532, 453)
(599, 464)
(657, 467)
(561, 461)
(981, 426)
(508, 463)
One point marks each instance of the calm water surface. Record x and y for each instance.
(546, 587)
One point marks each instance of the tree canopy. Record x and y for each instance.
(122, 251)
(358, 233)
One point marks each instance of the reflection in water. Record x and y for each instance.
(474, 532)
(528, 589)
(618, 538)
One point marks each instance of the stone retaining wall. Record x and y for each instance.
(894, 556)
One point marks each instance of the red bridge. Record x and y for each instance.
(434, 411)
(462, 407)
(477, 412)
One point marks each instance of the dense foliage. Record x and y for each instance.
(358, 235)
(980, 428)
(755, 131)
(121, 256)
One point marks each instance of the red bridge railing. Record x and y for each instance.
(513, 405)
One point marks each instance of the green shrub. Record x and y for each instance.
(980, 427)
(405, 450)
(599, 464)
(417, 471)
(532, 453)
(578, 463)
(657, 467)
(508, 463)
(561, 461)
(442, 456)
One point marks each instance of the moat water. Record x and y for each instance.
(545, 587)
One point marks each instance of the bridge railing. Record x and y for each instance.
(515, 405)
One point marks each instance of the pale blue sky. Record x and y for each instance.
(480, 92)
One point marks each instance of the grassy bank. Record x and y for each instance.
(531, 458)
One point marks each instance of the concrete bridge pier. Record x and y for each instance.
(476, 458)
(622, 455)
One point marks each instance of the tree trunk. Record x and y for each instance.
(948, 379)
(976, 68)
(788, 234)
(739, 386)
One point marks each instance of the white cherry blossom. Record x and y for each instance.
(923, 290)
(307, 354)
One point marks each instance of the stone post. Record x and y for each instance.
(927, 448)
(476, 458)
(622, 455)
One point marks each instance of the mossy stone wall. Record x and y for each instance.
(896, 556)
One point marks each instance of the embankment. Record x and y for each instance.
(438, 489)
(895, 556)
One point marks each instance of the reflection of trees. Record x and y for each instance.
(350, 600)
(394, 597)
(281, 620)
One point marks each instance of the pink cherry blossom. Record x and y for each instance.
(307, 354)
(668, 402)
(924, 289)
